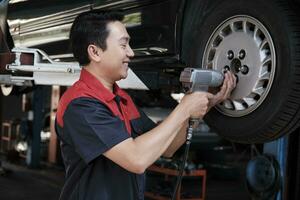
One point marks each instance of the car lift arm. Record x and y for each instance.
(27, 66)
(34, 65)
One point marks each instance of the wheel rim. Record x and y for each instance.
(244, 46)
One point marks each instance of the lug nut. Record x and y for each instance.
(230, 55)
(244, 69)
(242, 54)
(226, 69)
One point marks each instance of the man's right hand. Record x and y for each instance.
(196, 104)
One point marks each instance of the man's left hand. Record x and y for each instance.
(228, 85)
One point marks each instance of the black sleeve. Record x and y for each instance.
(92, 128)
(148, 124)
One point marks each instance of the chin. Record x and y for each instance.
(122, 76)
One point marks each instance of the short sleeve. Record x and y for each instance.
(92, 128)
(141, 125)
(148, 124)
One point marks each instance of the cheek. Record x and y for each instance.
(117, 58)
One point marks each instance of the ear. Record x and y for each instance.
(95, 53)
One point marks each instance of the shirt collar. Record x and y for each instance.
(93, 83)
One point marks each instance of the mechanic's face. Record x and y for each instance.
(115, 58)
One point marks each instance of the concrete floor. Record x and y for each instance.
(21, 183)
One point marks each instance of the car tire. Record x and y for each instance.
(277, 113)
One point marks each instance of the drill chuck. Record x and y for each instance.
(200, 79)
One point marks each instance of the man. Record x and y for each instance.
(106, 142)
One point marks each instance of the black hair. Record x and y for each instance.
(91, 28)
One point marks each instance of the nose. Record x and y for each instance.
(130, 52)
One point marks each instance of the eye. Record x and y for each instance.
(124, 46)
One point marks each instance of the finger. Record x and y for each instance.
(225, 87)
(229, 90)
(233, 80)
(227, 77)
(210, 96)
(221, 94)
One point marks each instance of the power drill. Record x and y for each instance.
(195, 80)
(199, 80)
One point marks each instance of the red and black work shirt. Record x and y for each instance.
(90, 120)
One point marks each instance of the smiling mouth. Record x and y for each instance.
(125, 64)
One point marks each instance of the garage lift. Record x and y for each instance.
(267, 174)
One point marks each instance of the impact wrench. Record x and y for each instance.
(195, 80)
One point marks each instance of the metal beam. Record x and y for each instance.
(35, 144)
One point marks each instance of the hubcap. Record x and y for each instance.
(244, 45)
